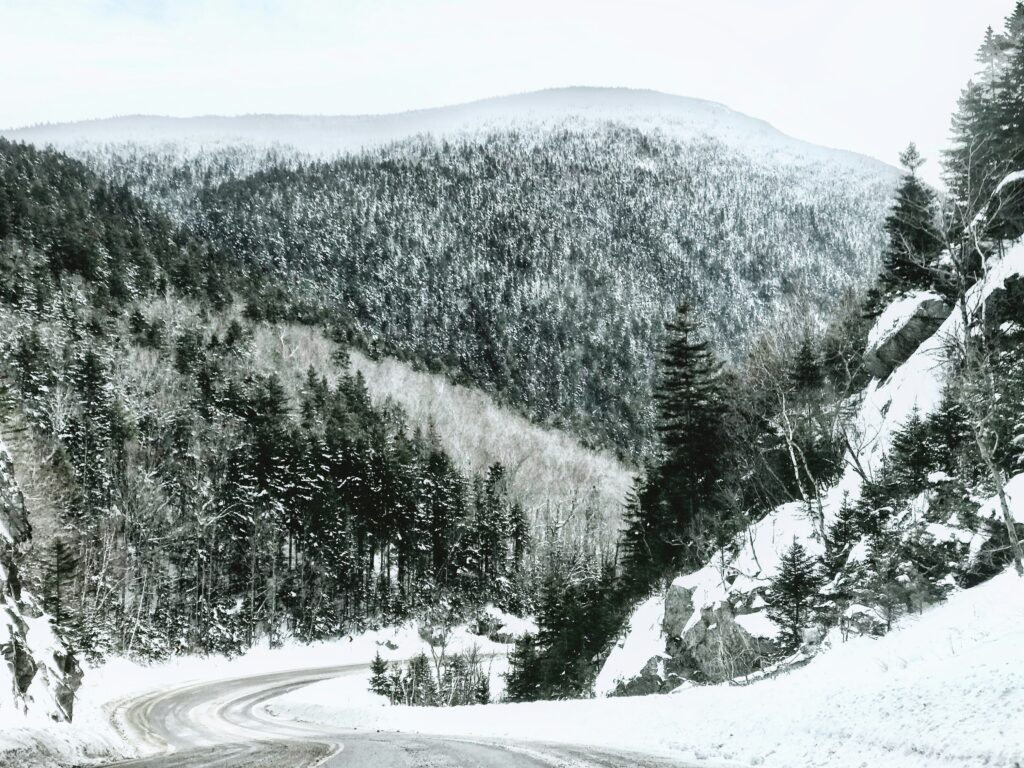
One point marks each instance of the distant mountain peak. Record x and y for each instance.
(680, 117)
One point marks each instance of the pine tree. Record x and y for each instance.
(911, 456)
(58, 574)
(482, 691)
(646, 551)
(1008, 135)
(687, 394)
(522, 682)
(791, 596)
(806, 373)
(674, 511)
(988, 128)
(842, 535)
(914, 241)
(380, 682)
(421, 684)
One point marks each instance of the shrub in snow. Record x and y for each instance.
(446, 681)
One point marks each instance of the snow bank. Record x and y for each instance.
(943, 689)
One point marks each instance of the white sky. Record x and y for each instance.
(866, 75)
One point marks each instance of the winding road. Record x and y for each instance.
(223, 724)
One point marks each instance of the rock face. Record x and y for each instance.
(709, 646)
(901, 329)
(704, 645)
(37, 670)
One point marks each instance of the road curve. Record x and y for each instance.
(223, 724)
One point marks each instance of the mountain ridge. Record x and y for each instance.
(678, 116)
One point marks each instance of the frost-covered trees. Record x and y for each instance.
(988, 136)
(459, 679)
(207, 498)
(538, 266)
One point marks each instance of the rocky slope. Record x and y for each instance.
(38, 672)
(711, 625)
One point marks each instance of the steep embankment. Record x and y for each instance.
(712, 623)
(38, 673)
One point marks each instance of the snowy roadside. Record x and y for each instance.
(943, 689)
(94, 736)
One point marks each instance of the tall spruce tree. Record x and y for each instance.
(806, 372)
(671, 513)
(914, 240)
(690, 408)
(380, 682)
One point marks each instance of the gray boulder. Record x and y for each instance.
(898, 343)
(678, 610)
(710, 647)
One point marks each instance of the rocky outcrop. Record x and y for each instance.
(901, 329)
(37, 670)
(709, 644)
(703, 644)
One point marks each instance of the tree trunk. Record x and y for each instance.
(1000, 482)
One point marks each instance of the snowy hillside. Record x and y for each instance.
(678, 117)
(556, 479)
(945, 689)
(722, 604)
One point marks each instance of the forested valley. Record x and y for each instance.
(200, 498)
(207, 472)
(539, 266)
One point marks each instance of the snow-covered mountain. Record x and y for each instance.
(678, 117)
(638, 198)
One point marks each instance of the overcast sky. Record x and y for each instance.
(866, 75)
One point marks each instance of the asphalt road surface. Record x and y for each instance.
(224, 725)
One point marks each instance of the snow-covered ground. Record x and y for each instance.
(37, 741)
(943, 689)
